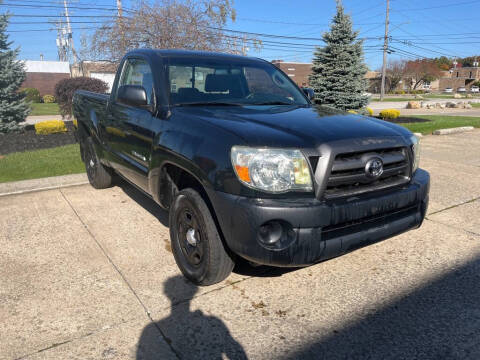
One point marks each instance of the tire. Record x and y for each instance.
(196, 244)
(98, 175)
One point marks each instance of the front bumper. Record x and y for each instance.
(319, 230)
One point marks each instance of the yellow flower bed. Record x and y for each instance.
(389, 114)
(50, 127)
(370, 111)
(48, 99)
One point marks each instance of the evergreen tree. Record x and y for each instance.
(338, 72)
(13, 108)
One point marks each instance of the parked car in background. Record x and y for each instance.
(462, 89)
(246, 165)
(426, 87)
(474, 89)
(448, 90)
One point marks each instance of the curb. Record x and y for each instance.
(43, 184)
(453, 130)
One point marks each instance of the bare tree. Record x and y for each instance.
(167, 24)
(395, 73)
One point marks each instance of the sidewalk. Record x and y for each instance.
(54, 182)
(32, 120)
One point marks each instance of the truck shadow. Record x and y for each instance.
(144, 201)
(189, 334)
(440, 320)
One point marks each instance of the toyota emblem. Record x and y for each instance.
(374, 168)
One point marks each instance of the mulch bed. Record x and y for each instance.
(29, 140)
(405, 120)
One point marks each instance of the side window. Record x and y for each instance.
(138, 72)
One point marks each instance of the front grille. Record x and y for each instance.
(348, 176)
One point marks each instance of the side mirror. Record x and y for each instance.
(132, 95)
(308, 93)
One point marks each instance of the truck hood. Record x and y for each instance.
(291, 126)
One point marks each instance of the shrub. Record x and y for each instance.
(65, 89)
(389, 114)
(417, 92)
(370, 111)
(32, 95)
(48, 99)
(399, 92)
(50, 127)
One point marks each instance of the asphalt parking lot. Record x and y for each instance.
(89, 274)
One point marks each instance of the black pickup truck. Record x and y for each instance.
(246, 165)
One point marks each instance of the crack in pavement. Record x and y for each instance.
(105, 328)
(455, 206)
(147, 312)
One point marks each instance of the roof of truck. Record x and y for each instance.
(193, 53)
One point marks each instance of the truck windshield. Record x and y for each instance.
(223, 83)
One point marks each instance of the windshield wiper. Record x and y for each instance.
(209, 103)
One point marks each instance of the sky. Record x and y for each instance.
(428, 28)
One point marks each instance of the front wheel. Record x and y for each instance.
(196, 243)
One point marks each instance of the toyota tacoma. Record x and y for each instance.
(246, 165)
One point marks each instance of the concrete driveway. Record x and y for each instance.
(88, 274)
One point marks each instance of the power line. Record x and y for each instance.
(55, 16)
(298, 23)
(59, 7)
(48, 22)
(409, 43)
(442, 6)
(208, 27)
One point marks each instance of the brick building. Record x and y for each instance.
(44, 75)
(297, 71)
(460, 77)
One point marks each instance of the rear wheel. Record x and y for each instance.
(196, 243)
(98, 175)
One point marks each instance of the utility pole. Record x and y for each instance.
(245, 48)
(62, 42)
(385, 48)
(69, 31)
(119, 8)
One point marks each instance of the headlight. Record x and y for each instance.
(272, 170)
(416, 152)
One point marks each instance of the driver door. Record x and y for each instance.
(128, 128)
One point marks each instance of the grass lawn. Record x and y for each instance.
(62, 160)
(441, 122)
(476, 105)
(45, 109)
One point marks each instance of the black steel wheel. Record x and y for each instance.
(196, 243)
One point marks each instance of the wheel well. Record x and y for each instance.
(175, 179)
